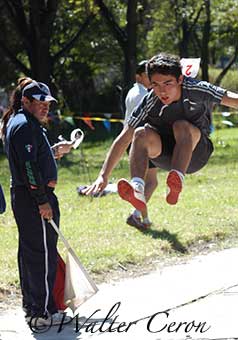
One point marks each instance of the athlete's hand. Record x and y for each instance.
(46, 211)
(98, 186)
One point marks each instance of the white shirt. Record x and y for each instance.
(133, 99)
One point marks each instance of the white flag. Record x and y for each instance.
(190, 66)
(79, 287)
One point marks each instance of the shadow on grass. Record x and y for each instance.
(166, 235)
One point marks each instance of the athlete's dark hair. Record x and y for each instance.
(166, 64)
(15, 103)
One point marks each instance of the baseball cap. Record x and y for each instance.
(141, 67)
(38, 91)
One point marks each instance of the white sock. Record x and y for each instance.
(181, 175)
(138, 180)
(146, 220)
(136, 213)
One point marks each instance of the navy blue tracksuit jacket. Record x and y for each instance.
(33, 169)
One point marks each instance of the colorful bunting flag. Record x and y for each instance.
(87, 120)
(107, 125)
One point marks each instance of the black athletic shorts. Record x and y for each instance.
(200, 157)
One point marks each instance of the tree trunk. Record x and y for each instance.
(183, 45)
(130, 47)
(42, 16)
(205, 42)
(227, 67)
(33, 22)
(186, 23)
(126, 37)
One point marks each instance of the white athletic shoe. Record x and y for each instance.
(132, 193)
(50, 320)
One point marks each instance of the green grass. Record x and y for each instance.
(96, 228)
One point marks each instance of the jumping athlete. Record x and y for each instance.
(175, 136)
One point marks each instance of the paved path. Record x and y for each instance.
(196, 300)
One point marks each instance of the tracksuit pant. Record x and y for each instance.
(37, 252)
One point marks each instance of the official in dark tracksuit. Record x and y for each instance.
(33, 179)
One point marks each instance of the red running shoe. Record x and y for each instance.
(132, 193)
(175, 185)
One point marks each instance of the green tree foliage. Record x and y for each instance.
(177, 27)
(206, 29)
(89, 72)
(127, 24)
(74, 51)
(86, 48)
(224, 35)
(29, 27)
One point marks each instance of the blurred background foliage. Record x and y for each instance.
(86, 50)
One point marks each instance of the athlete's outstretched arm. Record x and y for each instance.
(114, 155)
(230, 99)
